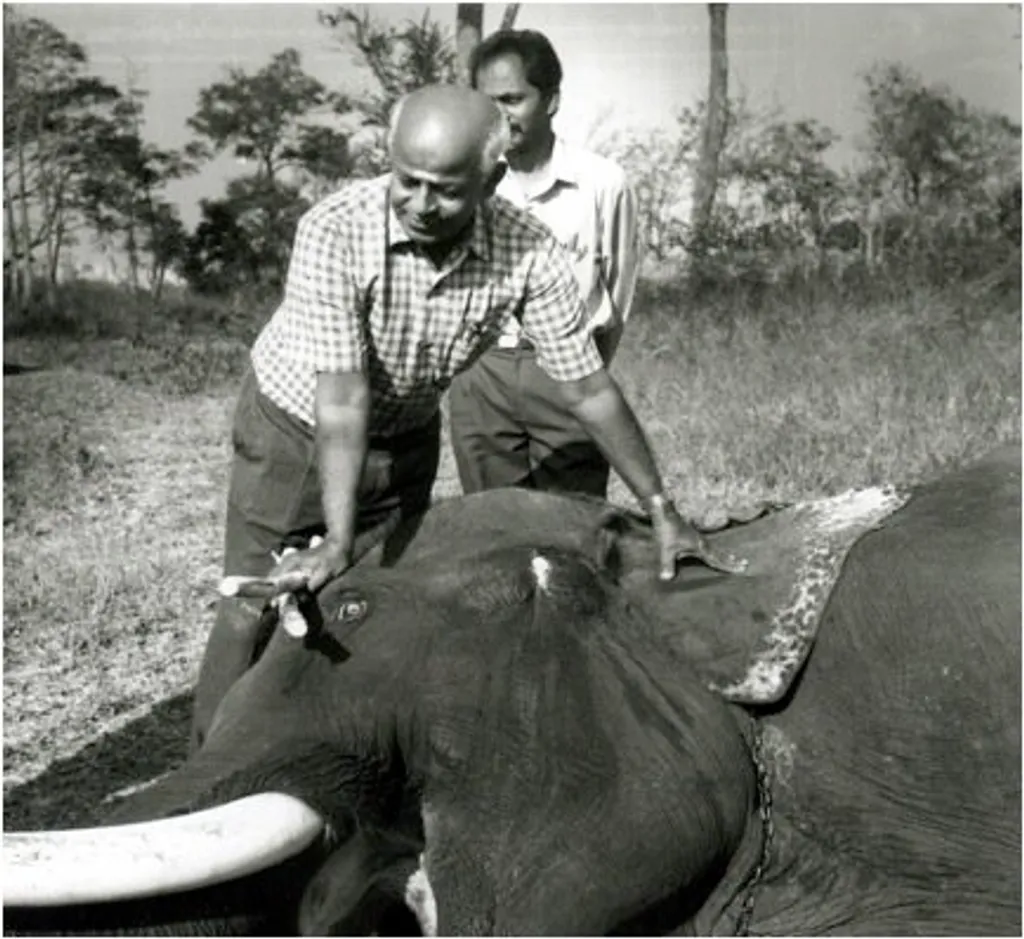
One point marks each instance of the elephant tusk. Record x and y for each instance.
(166, 855)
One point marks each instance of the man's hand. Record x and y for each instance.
(678, 539)
(311, 567)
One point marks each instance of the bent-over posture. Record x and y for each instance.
(395, 285)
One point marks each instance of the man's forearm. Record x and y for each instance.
(597, 403)
(599, 406)
(342, 417)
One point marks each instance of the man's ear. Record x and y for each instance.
(553, 103)
(496, 176)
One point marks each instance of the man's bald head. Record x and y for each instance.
(447, 128)
(445, 142)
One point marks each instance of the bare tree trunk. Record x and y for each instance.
(132, 233)
(156, 280)
(12, 277)
(49, 226)
(469, 27)
(16, 243)
(56, 240)
(132, 248)
(715, 122)
(25, 257)
(508, 18)
(47, 199)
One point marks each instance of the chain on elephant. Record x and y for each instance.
(764, 802)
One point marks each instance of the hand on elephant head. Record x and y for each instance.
(678, 539)
(312, 567)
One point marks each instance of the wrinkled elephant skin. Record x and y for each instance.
(516, 729)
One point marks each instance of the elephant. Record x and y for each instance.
(517, 728)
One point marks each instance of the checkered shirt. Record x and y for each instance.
(361, 297)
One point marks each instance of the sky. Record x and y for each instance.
(627, 65)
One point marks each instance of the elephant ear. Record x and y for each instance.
(749, 634)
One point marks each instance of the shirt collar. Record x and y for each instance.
(478, 239)
(563, 169)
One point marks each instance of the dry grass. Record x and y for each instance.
(114, 490)
(114, 499)
(112, 507)
(807, 398)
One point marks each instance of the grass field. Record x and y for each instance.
(116, 450)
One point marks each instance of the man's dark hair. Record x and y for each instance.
(540, 62)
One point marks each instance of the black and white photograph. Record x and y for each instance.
(512, 469)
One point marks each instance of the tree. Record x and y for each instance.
(912, 132)
(270, 118)
(784, 165)
(259, 117)
(656, 164)
(777, 194)
(234, 245)
(323, 159)
(166, 242)
(218, 255)
(121, 199)
(469, 28)
(716, 119)
(508, 18)
(935, 170)
(400, 59)
(52, 111)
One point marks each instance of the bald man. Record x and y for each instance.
(395, 285)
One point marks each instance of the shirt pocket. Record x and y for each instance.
(577, 246)
(486, 312)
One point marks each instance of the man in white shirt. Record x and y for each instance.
(508, 425)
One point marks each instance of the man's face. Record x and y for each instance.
(526, 109)
(432, 198)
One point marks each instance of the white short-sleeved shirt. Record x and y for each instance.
(586, 201)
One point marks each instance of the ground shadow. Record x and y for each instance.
(81, 789)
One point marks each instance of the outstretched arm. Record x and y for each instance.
(555, 317)
(321, 282)
(598, 404)
(342, 418)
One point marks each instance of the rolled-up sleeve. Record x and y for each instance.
(322, 292)
(555, 316)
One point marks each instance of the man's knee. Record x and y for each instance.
(240, 631)
(238, 616)
(503, 463)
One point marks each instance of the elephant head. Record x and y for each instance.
(519, 729)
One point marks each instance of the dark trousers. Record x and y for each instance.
(274, 494)
(509, 427)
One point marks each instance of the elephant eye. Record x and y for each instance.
(351, 610)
